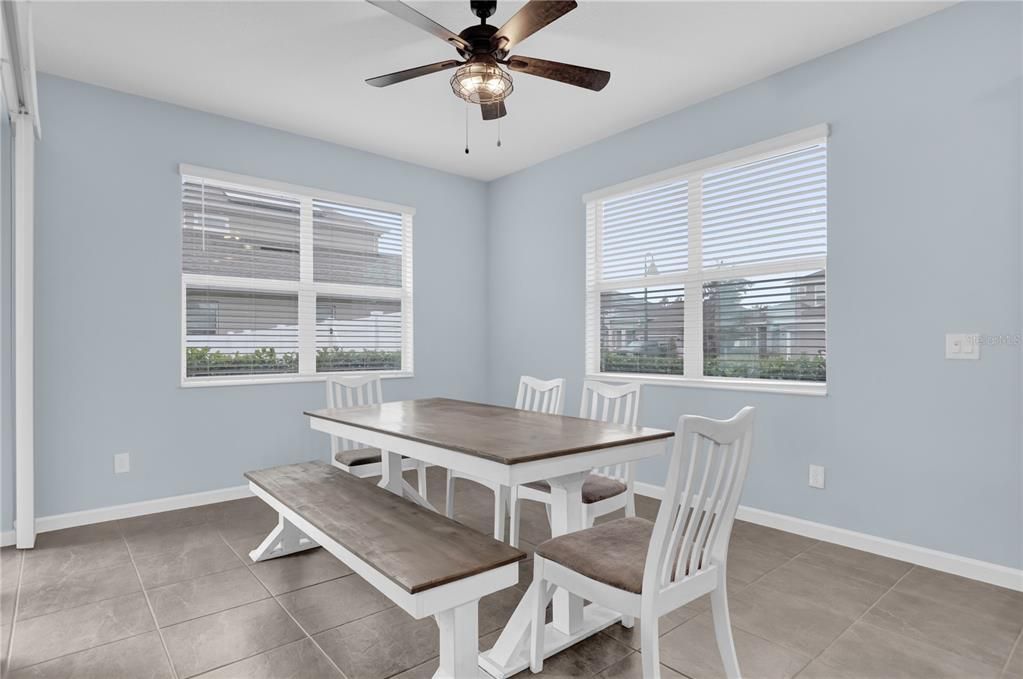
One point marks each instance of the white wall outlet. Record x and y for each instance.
(122, 463)
(816, 476)
(962, 346)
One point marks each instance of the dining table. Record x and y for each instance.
(508, 447)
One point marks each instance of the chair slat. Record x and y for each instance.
(617, 404)
(541, 396)
(700, 504)
(349, 392)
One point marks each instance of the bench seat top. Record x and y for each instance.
(415, 548)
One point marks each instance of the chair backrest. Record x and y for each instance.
(351, 392)
(707, 471)
(616, 404)
(541, 396)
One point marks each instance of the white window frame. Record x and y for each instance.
(695, 275)
(306, 288)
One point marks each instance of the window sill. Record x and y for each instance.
(194, 382)
(764, 386)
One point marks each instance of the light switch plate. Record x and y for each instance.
(122, 463)
(962, 346)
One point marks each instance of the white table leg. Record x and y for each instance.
(572, 622)
(567, 517)
(390, 477)
(500, 510)
(459, 642)
(412, 494)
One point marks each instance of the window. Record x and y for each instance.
(714, 273)
(281, 282)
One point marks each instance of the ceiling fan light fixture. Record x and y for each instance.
(481, 82)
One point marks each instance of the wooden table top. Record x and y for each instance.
(504, 435)
(414, 547)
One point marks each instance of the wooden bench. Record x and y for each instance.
(423, 561)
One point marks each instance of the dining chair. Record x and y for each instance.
(648, 569)
(540, 396)
(353, 457)
(608, 488)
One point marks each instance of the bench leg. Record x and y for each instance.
(459, 642)
(283, 540)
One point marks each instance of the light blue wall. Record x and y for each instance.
(108, 278)
(924, 238)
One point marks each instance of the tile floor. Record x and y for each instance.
(173, 595)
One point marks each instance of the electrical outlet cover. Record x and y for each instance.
(816, 479)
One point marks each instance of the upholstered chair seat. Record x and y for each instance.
(357, 456)
(595, 488)
(613, 553)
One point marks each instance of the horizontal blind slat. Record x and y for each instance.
(356, 246)
(240, 333)
(645, 233)
(767, 211)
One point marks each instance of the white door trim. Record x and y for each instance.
(24, 362)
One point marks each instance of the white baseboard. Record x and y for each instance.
(126, 511)
(975, 569)
(995, 574)
(164, 504)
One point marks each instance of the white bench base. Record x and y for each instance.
(454, 606)
(283, 540)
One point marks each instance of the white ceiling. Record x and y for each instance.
(300, 66)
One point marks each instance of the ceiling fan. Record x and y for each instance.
(485, 48)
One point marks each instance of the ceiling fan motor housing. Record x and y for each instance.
(483, 8)
(479, 37)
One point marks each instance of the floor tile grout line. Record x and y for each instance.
(767, 572)
(86, 650)
(709, 612)
(84, 604)
(248, 657)
(152, 612)
(14, 613)
(626, 646)
(269, 596)
(764, 575)
(962, 611)
(288, 613)
(1016, 646)
(222, 610)
(863, 615)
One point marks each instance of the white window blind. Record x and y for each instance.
(743, 238)
(283, 282)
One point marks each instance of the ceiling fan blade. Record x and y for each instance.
(414, 17)
(408, 74)
(580, 76)
(533, 16)
(493, 111)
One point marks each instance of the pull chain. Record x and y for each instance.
(498, 133)
(467, 128)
